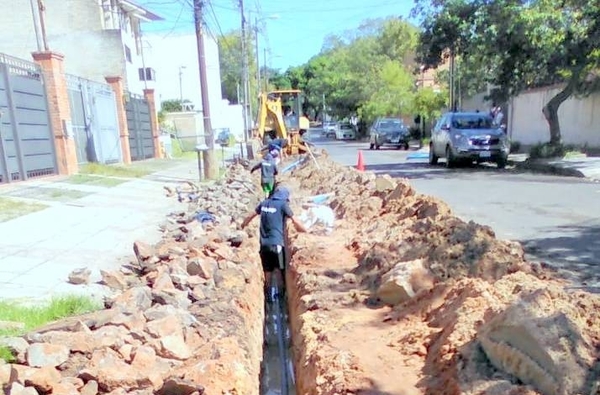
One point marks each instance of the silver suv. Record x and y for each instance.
(468, 137)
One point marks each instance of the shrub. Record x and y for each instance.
(515, 146)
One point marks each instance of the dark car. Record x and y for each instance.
(468, 137)
(389, 132)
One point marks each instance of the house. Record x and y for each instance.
(175, 59)
(98, 38)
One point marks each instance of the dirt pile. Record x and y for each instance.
(468, 314)
(186, 317)
(409, 226)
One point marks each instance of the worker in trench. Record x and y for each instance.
(274, 212)
(268, 171)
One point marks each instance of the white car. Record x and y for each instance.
(330, 129)
(345, 132)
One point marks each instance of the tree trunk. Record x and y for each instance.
(550, 110)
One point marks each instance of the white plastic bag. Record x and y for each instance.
(318, 215)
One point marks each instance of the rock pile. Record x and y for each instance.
(480, 317)
(186, 317)
(409, 227)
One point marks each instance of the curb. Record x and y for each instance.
(546, 168)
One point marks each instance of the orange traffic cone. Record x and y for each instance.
(361, 162)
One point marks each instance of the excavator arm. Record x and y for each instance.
(280, 117)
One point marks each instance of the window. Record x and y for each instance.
(147, 74)
(128, 54)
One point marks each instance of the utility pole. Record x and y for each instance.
(181, 87)
(36, 26)
(266, 69)
(246, 108)
(42, 9)
(210, 165)
(257, 53)
(324, 110)
(452, 77)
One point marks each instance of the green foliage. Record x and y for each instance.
(516, 45)
(172, 105)
(515, 146)
(429, 103)
(35, 316)
(367, 71)
(230, 62)
(547, 150)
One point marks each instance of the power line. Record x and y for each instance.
(214, 15)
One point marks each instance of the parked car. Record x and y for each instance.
(329, 129)
(389, 132)
(345, 132)
(468, 137)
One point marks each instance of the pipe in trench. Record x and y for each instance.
(277, 372)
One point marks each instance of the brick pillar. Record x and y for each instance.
(59, 109)
(149, 95)
(116, 84)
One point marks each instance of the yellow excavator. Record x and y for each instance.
(280, 117)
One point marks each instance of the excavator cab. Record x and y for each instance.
(280, 116)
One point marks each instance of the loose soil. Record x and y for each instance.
(464, 314)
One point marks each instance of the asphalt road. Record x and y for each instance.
(556, 218)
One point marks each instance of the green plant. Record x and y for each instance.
(547, 150)
(89, 179)
(515, 146)
(34, 316)
(10, 209)
(114, 170)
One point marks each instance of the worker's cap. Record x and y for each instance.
(281, 193)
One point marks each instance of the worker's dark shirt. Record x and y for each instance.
(268, 171)
(273, 213)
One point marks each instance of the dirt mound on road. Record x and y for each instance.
(462, 312)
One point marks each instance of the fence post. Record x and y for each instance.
(149, 95)
(116, 83)
(59, 109)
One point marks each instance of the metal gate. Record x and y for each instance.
(94, 120)
(141, 141)
(26, 139)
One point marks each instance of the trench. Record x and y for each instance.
(277, 369)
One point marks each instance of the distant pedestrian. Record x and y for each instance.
(268, 171)
(498, 116)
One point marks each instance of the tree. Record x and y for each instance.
(230, 63)
(173, 105)
(518, 44)
(366, 70)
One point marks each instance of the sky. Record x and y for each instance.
(293, 31)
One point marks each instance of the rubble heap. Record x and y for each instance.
(475, 315)
(186, 317)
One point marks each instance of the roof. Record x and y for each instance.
(140, 12)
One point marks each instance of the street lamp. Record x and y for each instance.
(256, 31)
(181, 68)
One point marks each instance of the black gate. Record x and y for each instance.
(26, 138)
(141, 141)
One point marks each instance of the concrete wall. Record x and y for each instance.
(579, 118)
(75, 28)
(168, 54)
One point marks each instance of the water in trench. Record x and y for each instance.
(277, 372)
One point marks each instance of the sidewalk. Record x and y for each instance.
(95, 229)
(579, 166)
